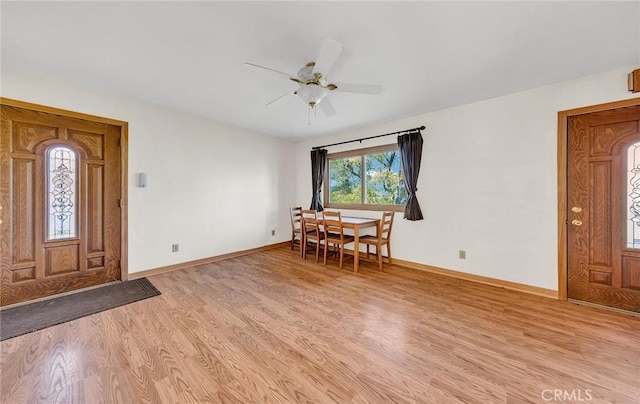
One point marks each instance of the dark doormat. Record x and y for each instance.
(32, 317)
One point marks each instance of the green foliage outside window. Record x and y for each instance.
(345, 180)
(381, 176)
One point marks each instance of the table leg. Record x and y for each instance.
(356, 249)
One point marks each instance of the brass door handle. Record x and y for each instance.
(576, 209)
(576, 222)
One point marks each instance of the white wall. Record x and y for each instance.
(488, 181)
(487, 184)
(213, 188)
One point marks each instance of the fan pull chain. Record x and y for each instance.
(309, 116)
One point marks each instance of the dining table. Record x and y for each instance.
(357, 224)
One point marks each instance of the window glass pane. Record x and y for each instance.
(384, 179)
(344, 180)
(61, 199)
(377, 169)
(633, 196)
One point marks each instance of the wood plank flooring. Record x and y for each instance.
(270, 327)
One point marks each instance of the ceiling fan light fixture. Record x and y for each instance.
(312, 94)
(314, 86)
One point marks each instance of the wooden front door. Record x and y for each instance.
(603, 212)
(60, 193)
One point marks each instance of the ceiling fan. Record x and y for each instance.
(312, 80)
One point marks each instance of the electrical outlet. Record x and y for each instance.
(462, 254)
(175, 247)
(273, 232)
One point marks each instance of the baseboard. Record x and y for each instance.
(485, 280)
(533, 290)
(208, 260)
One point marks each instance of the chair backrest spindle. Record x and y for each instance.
(296, 214)
(309, 221)
(332, 222)
(385, 225)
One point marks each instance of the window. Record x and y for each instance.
(61, 193)
(368, 179)
(633, 196)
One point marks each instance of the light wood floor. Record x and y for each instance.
(269, 327)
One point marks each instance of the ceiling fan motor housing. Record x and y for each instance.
(306, 73)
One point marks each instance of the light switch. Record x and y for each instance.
(142, 180)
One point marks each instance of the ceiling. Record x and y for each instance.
(427, 55)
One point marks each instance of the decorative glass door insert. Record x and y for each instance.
(62, 193)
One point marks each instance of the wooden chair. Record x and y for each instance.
(311, 234)
(334, 234)
(296, 228)
(383, 237)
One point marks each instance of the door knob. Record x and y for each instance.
(576, 222)
(576, 209)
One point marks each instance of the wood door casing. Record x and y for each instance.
(600, 269)
(34, 266)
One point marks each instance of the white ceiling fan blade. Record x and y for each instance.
(327, 107)
(371, 89)
(282, 96)
(267, 68)
(328, 55)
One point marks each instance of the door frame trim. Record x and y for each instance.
(124, 159)
(563, 133)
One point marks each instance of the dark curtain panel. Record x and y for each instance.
(410, 146)
(318, 162)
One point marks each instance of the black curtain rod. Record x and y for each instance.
(371, 137)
